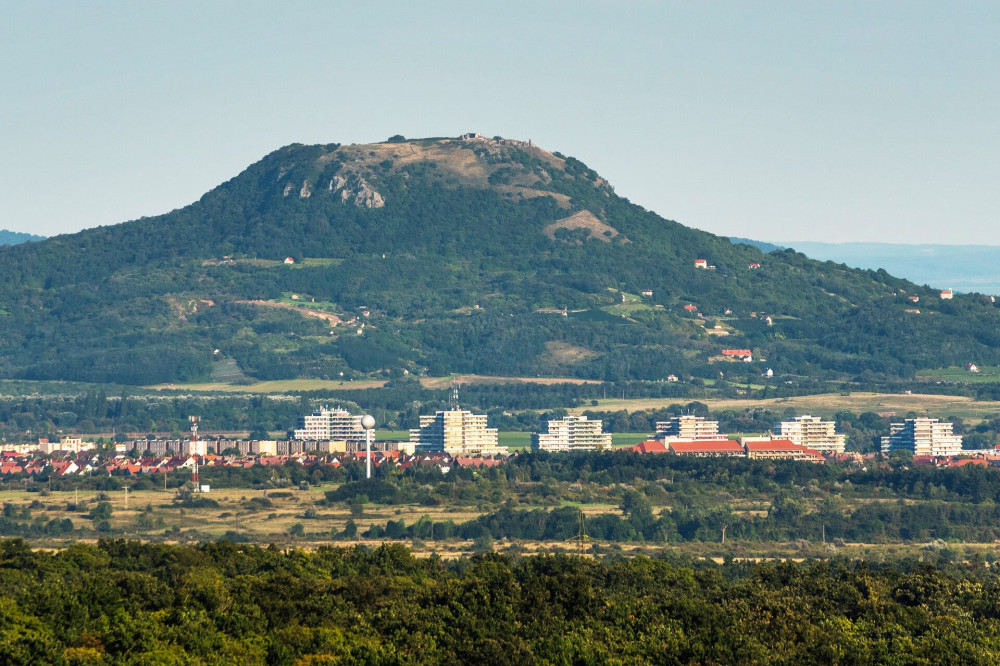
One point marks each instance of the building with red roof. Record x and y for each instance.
(650, 446)
(779, 449)
(476, 462)
(707, 448)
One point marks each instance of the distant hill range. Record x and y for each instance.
(467, 254)
(16, 237)
(964, 268)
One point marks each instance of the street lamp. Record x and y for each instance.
(368, 422)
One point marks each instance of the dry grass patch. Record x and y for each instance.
(567, 354)
(586, 220)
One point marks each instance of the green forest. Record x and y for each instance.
(122, 602)
(459, 271)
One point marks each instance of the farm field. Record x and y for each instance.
(287, 385)
(826, 404)
(274, 386)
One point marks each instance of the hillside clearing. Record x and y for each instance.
(583, 220)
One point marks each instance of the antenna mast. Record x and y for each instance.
(194, 438)
(453, 403)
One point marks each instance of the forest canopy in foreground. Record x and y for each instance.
(127, 602)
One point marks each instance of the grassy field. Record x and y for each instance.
(294, 385)
(622, 439)
(392, 435)
(236, 514)
(517, 441)
(276, 386)
(828, 404)
(986, 375)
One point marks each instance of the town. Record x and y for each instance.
(458, 437)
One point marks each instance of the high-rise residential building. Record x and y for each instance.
(811, 432)
(924, 437)
(687, 428)
(331, 424)
(572, 433)
(458, 433)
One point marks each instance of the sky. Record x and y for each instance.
(779, 121)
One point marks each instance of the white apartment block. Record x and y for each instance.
(572, 433)
(331, 424)
(458, 433)
(924, 437)
(72, 444)
(687, 428)
(811, 432)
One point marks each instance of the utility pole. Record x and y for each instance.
(126, 498)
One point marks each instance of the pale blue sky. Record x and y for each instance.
(780, 121)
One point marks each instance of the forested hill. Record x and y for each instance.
(16, 237)
(468, 255)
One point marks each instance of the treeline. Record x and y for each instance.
(788, 520)
(124, 602)
(94, 411)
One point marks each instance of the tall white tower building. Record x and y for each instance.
(687, 428)
(572, 433)
(458, 433)
(924, 437)
(811, 432)
(331, 425)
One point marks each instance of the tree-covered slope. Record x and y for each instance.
(468, 255)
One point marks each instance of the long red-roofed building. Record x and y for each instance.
(707, 448)
(771, 449)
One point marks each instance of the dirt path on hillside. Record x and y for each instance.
(331, 319)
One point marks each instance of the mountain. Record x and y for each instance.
(763, 246)
(469, 254)
(16, 237)
(963, 268)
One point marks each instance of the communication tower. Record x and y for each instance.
(194, 438)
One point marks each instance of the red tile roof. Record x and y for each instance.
(775, 445)
(649, 446)
(707, 446)
(969, 461)
(476, 462)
